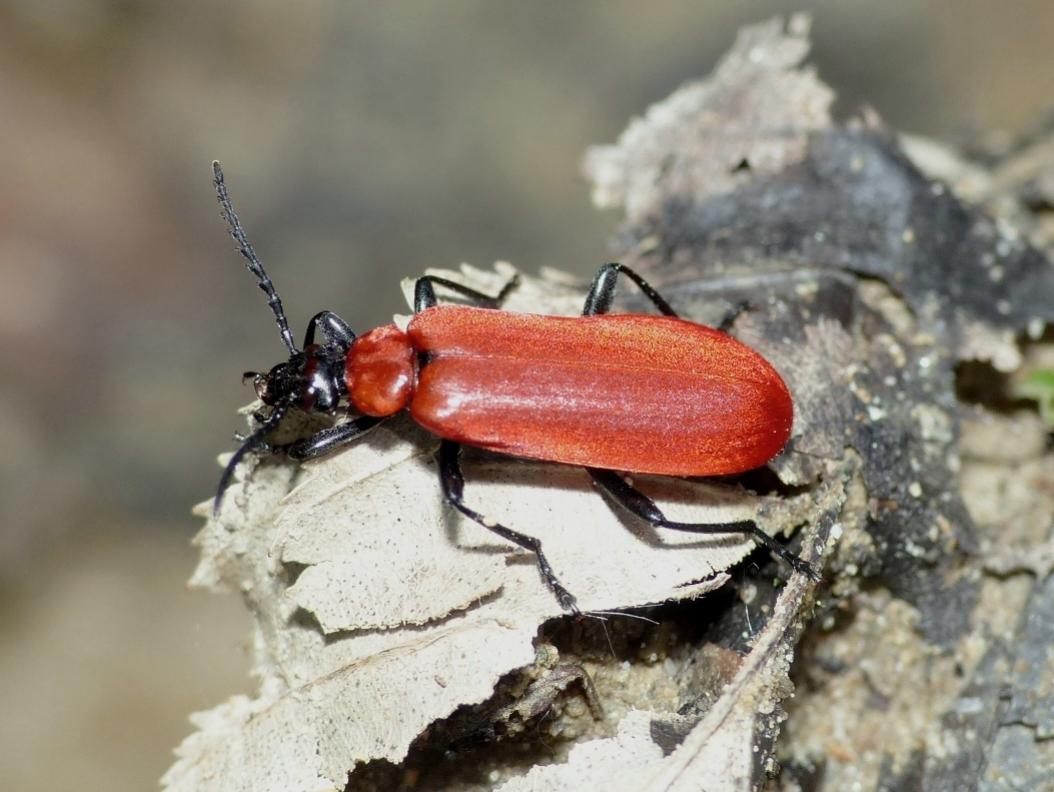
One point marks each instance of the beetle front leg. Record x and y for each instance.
(425, 295)
(602, 292)
(327, 440)
(453, 484)
(636, 502)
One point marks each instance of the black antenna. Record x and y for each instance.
(252, 442)
(234, 225)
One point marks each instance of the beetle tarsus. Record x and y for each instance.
(733, 313)
(803, 566)
(452, 482)
(506, 290)
(565, 598)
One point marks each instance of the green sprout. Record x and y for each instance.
(1039, 387)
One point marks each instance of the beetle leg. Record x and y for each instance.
(734, 313)
(636, 502)
(334, 330)
(250, 444)
(425, 295)
(453, 484)
(327, 440)
(602, 292)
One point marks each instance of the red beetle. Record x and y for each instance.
(609, 392)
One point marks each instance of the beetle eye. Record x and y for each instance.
(263, 392)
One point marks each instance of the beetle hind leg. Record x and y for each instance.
(453, 484)
(636, 502)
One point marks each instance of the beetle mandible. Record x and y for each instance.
(613, 393)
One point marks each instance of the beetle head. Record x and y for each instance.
(276, 385)
(312, 380)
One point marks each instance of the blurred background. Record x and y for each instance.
(362, 143)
